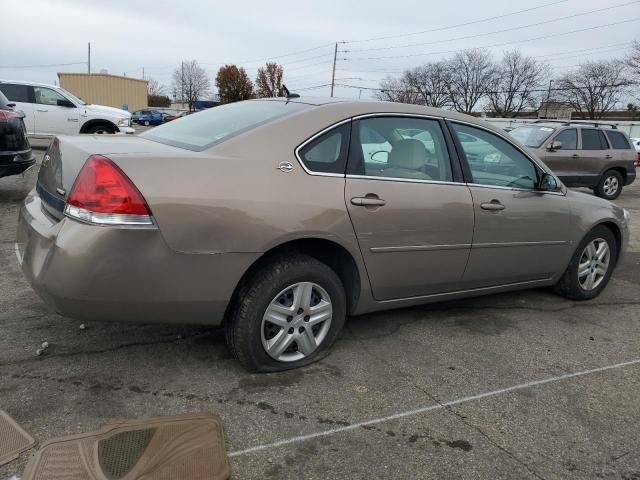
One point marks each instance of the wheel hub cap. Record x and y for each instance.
(594, 264)
(611, 186)
(296, 322)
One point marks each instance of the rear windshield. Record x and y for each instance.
(531, 136)
(202, 130)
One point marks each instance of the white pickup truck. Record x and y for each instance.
(50, 110)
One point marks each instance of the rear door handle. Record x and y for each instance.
(493, 205)
(575, 155)
(608, 157)
(42, 111)
(368, 201)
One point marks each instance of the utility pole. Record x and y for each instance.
(333, 74)
(546, 104)
(143, 73)
(89, 57)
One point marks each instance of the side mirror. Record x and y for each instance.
(555, 145)
(548, 183)
(65, 103)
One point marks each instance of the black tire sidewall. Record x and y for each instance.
(248, 321)
(572, 287)
(600, 190)
(94, 130)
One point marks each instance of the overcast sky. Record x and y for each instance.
(128, 35)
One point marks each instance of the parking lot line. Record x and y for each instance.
(429, 408)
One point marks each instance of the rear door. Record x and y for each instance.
(521, 234)
(594, 155)
(22, 96)
(51, 118)
(411, 212)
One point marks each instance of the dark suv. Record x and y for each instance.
(583, 154)
(15, 152)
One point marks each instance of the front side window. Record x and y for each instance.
(16, 93)
(46, 96)
(618, 140)
(494, 161)
(328, 152)
(399, 147)
(531, 135)
(593, 139)
(568, 138)
(215, 125)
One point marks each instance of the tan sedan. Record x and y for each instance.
(278, 218)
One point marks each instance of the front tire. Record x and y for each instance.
(287, 315)
(591, 266)
(101, 130)
(610, 186)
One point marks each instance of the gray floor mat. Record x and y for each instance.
(13, 439)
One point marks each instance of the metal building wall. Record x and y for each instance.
(105, 89)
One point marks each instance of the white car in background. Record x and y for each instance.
(636, 144)
(50, 110)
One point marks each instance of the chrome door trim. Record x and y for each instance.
(419, 248)
(311, 139)
(520, 244)
(406, 180)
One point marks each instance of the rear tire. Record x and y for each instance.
(587, 275)
(146, 123)
(293, 340)
(610, 186)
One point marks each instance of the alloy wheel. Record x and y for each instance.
(296, 322)
(594, 264)
(611, 186)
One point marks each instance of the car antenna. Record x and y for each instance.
(288, 94)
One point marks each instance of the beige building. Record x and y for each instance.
(105, 89)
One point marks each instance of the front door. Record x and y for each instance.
(412, 214)
(52, 118)
(521, 234)
(564, 161)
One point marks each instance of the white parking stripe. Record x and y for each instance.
(429, 408)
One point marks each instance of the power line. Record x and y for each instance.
(510, 29)
(502, 44)
(583, 50)
(44, 66)
(440, 29)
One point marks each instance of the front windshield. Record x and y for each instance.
(202, 130)
(72, 97)
(531, 135)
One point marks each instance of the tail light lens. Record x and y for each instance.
(103, 194)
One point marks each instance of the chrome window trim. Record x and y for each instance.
(405, 180)
(311, 139)
(397, 114)
(532, 190)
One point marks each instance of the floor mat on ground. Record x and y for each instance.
(185, 446)
(13, 439)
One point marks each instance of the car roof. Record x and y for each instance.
(33, 84)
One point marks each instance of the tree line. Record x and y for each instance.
(191, 83)
(515, 83)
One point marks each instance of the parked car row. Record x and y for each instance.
(154, 117)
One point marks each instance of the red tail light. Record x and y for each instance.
(103, 194)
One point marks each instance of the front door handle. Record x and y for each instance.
(493, 205)
(608, 157)
(575, 155)
(369, 201)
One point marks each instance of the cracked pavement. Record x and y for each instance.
(383, 364)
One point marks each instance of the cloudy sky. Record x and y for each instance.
(382, 38)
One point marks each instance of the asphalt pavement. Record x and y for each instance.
(519, 385)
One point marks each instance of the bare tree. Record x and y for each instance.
(431, 83)
(397, 90)
(155, 88)
(233, 84)
(190, 81)
(470, 75)
(516, 84)
(269, 81)
(632, 61)
(594, 88)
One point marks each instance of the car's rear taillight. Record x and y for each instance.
(104, 195)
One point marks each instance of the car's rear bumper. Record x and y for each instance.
(115, 274)
(631, 176)
(14, 163)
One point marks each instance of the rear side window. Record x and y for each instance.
(328, 152)
(205, 129)
(593, 139)
(16, 93)
(568, 138)
(618, 140)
